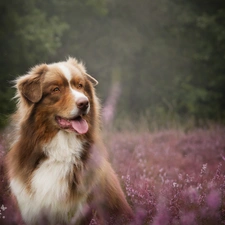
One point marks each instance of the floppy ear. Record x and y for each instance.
(92, 79)
(30, 86)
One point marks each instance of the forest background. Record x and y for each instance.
(160, 64)
(167, 56)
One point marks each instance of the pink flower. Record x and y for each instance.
(214, 200)
(163, 215)
(188, 218)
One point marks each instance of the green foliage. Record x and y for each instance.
(41, 34)
(168, 55)
(27, 37)
(207, 53)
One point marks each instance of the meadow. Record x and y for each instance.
(169, 177)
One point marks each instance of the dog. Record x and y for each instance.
(57, 166)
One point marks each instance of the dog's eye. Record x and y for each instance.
(56, 89)
(80, 85)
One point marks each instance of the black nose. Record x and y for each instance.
(82, 103)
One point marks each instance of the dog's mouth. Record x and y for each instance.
(77, 124)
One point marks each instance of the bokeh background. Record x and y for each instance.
(166, 58)
(161, 71)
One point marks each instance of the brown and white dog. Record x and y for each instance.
(57, 165)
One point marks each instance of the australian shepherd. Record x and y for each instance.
(57, 166)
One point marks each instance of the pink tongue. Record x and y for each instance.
(80, 126)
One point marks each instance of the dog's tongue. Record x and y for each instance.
(80, 125)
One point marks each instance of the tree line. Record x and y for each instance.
(167, 55)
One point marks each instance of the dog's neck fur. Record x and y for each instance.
(64, 147)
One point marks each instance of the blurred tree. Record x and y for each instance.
(27, 37)
(168, 55)
(201, 32)
(86, 21)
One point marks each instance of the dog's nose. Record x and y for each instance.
(82, 103)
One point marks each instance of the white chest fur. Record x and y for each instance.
(49, 187)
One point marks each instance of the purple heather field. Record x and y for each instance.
(169, 177)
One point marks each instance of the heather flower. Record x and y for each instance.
(162, 216)
(140, 216)
(109, 109)
(93, 222)
(161, 177)
(188, 218)
(191, 194)
(203, 170)
(213, 200)
(218, 172)
(175, 185)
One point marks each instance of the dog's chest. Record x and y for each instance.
(50, 182)
(49, 186)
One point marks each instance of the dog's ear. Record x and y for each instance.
(92, 79)
(30, 86)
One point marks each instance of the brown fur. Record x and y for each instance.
(38, 104)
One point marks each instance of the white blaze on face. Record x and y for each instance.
(77, 95)
(66, 72)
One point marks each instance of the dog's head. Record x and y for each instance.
(59, 94)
